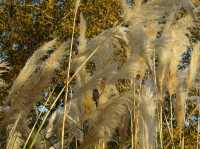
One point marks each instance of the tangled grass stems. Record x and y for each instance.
(45, 118)
(37, 120)
(170, 130)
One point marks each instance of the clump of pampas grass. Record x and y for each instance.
(104, 121)
(135, 53)
(34, 77)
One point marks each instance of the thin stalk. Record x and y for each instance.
(45, 118)
(161, 129)
(133, 138)
(189, 117)
(171, 116)
(132, 135)
(13, 130)
(182, 142)
(33, 128)
(68, 74)
(170, 132)
(198, 126)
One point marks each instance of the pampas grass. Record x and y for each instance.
(105, 120)
(34, 77)
(147, 122)
(134, 53)
(194, 65)
(32, 80)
